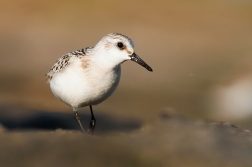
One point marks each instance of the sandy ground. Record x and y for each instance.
(200, 52)
(170, 140)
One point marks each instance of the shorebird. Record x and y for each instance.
(88, 76)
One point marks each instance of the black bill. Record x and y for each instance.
(138, 60)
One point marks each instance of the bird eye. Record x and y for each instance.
(120, 45)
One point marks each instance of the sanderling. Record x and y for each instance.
(89, 76)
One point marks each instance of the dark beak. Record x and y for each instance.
(138, 60)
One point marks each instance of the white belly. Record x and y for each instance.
(79, 88)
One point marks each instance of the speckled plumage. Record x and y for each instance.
(64, 61)
(121, 37)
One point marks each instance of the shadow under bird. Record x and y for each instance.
(89, 76)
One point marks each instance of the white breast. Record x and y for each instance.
(80, 87)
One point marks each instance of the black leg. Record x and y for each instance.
(92, 122)
(77, 117)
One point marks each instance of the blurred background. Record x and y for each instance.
(200, 51)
